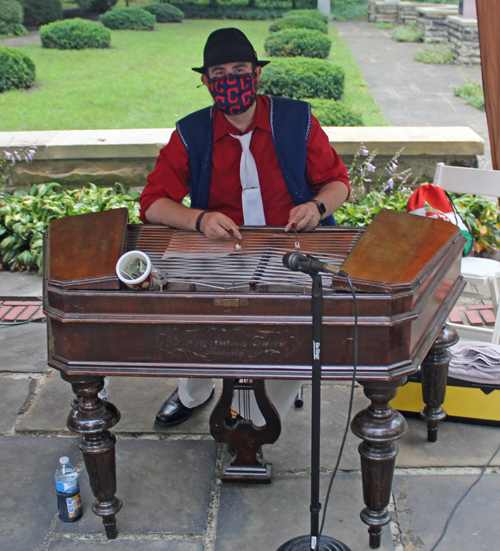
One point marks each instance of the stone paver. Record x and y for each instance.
(121, 545)
(264, 517)
(423, 504)
(13, 396)
(164, 487)
(23, 284)
(27, 491)
(24, 348)
(411, 93)
(138, 399)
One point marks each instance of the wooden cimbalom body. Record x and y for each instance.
(239, 313)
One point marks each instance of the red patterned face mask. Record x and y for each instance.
(234, 94)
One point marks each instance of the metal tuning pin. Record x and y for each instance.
(297, 244)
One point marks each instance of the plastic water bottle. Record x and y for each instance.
(105, 394)
(69, 503)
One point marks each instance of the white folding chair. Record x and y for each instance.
(482, 272)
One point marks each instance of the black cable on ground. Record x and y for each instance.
(450, 516)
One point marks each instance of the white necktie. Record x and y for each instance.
(251, 197)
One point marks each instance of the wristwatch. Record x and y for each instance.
(321, 207)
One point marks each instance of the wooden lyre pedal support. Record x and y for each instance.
(242, 436)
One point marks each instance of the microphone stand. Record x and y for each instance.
(310, 543)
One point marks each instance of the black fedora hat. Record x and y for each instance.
(227, 45)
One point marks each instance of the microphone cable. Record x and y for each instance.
(349, 412)
(465, 494)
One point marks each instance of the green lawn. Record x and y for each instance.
(143, 81)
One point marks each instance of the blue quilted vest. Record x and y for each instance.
(290, 125)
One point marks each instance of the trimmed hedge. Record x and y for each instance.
(192, 10)
(331, 113)
(299, 22)
(74, 34)
(302, 77)
(132, 19)
(17, 69)
(165, 13)
(96, 6)
(298, 42)
(11, 16)
(311, 13)
(41, 12)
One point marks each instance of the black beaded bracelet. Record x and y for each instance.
(198, 220)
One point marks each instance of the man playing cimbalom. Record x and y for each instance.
(247, 160)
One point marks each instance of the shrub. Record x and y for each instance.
(11, 16)
(133, 19)
(298, 42)
(193, 10)
(299, 22)
(439, 55)
(17, 69)
(98, 6)
(165, 13)
(41, 12)
(74, 34)
(331, 113)
(349, 9)
(408, 33)
(472, 92)
(311, 13)
(302, 77)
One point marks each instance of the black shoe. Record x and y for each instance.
(174, 412)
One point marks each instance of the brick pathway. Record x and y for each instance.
(15, 311)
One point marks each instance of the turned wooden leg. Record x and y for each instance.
(379, 426)
(434, 372)
(91, 418)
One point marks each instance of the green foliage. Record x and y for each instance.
(25, 215)
(41, 12)
(384, 25)
(361, 212)
(133, 19)
(331, 113)
(472, 92)
(299, 21)
(301, 77)
(309, 13)
(439, 55)
(17, 69)
(192, 10)
(74, 34)
(482, 218)
(407, 33)
(348, 9)
(165, 13)
(11, 16)
(298, 42)
(97, 6)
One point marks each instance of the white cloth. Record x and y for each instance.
(475, 361)
(251, 197)
(194, 392)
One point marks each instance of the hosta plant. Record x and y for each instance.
(25, 215)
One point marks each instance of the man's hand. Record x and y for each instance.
(215, 225)
(306, 217)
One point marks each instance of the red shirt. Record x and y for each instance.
(171, 175)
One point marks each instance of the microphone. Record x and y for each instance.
(308, 264)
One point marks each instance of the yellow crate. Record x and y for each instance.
(460, 401)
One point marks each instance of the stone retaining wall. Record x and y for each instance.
(104, 157)
(463, 37)
(439, 23)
